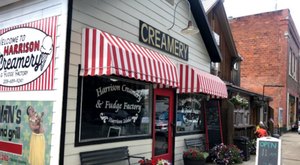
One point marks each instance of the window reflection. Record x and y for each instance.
(113, 108)
(161, 125)
(190, 114)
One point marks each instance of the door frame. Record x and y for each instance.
(169, 92)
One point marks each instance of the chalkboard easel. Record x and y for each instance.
(268, 151)
(213, 124)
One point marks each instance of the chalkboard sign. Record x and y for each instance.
(268, 151)
(213, 124)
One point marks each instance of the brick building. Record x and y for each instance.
(236, 120)
(269, 44)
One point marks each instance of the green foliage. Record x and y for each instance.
(226, 154)
(238, 100)
(195, 154)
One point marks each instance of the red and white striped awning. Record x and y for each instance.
(193, 80)
(106, 54)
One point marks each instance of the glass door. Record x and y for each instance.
(163, 120)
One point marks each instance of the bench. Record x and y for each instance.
(198, 143)
(110, 155)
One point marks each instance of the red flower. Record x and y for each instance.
(146, 162)
(141, 161)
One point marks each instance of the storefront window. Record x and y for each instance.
(190, 113)
(113, 108)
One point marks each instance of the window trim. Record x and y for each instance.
(293, 64)
(181, 133)
(80, 142)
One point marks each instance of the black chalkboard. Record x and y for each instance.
(213, 123)
(268, 151)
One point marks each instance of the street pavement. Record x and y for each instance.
(290, 150)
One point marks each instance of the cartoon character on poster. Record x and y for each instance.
(37, 139)
(28, 139)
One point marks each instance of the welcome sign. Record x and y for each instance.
(26, 56)
(25, 132)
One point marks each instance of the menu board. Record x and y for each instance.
(268, 151)
(213, 124)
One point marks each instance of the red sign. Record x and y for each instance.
(9, 147)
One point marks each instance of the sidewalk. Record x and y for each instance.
(290, 149)
(251, 161)
(290, 143)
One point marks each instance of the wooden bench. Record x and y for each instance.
(198, 143)
(111, 155)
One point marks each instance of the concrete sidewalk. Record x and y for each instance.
(290, 150)
(290, 143)
(251, 161)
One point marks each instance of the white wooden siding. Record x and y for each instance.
(121, 18)
(180, 147)
(28, 11)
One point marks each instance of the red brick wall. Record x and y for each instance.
(261, 42)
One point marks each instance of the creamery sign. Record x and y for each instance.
(152, 36)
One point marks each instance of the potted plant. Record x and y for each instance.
(226, 154)
(146, 162)
(163, 162)
(194, 156)
(153, 162)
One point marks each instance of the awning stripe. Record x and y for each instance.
(193, 80)
(106, 54)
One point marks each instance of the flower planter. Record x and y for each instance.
(193, 162)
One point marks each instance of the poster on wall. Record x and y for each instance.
(25, 132)
(27, 54)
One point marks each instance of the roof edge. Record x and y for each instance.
(205, 30)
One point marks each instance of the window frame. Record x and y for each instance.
(181, 133)
(293, 63)
(93, 141)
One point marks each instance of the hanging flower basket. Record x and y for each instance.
(239, 101)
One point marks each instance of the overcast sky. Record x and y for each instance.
(236, 8)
